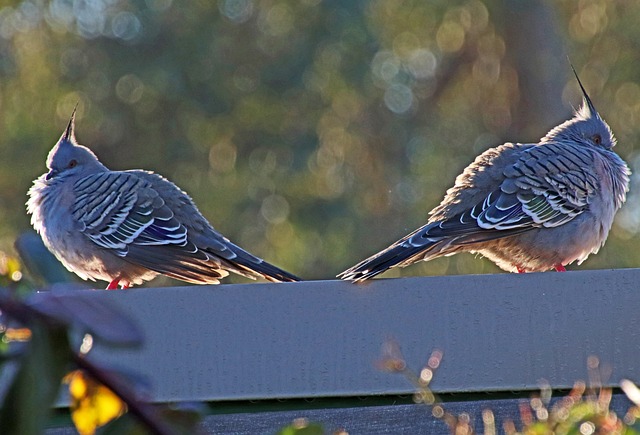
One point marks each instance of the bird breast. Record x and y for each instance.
(613, 174)
(50, 203)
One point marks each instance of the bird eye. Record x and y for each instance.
(72, 164)
(596, 139)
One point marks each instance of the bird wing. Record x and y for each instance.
(210, 241)
(146, 220)
(546, 186)
(122, 213)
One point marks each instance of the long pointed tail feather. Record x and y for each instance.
(254, 267)
(458, 233)
(396, 254)
(419, 245)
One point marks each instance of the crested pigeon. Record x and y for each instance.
(129, 226)
(527, 207)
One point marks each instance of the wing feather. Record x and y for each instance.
(119, 210)
(126, 213)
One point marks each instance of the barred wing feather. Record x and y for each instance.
(125, 213)
(121, 212)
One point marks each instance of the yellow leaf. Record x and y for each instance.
(17, 334)
(77, 386)
(92, 404)
(109, 404)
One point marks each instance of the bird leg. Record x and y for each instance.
(559, 268)
(113, 285)
(521, 270)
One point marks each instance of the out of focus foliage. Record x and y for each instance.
(92, 404)
(302, 426)
(585, 410)
(313, 133)
(39, 334)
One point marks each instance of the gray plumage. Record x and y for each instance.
(527, 207)
(129, 226)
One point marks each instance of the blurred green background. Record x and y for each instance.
(312, 133)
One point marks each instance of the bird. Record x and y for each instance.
(528, 207)
(127, 227)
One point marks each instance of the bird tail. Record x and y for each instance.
(436, 239)
(253, 267)
(272, 273)
(378, 263)
(415, 246)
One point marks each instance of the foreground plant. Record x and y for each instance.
(584, 410)
(41, 352)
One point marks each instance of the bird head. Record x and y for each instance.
(586, 127)
(68, 158)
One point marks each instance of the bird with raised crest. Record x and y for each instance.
(527, 207)
(127, 227)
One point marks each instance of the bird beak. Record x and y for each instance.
(52, 173)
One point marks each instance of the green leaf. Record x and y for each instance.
(302, 427)
(28, 402)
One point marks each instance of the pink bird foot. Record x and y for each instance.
(113, 285)
(560, 268)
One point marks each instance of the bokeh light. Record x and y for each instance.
(312, 133)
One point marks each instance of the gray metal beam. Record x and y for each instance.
(322, 338)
